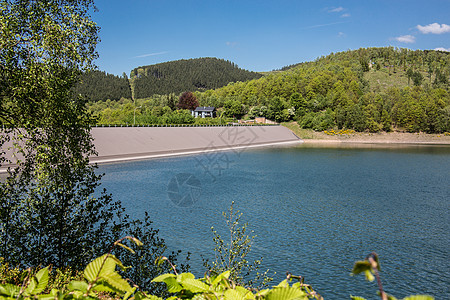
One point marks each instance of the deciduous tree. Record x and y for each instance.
(233, 108)
(417, 78)
(187, 101)
(48, 214)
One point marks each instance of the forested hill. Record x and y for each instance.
(100, 86)
(186, 75)
(369, 89)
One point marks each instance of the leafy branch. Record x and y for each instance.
(371, 268)
(232, 256)
(102, 281)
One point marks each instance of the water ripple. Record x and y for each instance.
(314, 211)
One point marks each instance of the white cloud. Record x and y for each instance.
(336, 9)
(341, 34)
(434, 28)
(442, 49)
(323, 25)
(232, 44)
(408, 39)
(150, 54)
(345, 15)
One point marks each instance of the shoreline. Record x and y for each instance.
(391, 138)
(352, 141)
(168, 154)
(310, 136)
(120, 145)
(374, 142)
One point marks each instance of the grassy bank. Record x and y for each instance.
(349, 136)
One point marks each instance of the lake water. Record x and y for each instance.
(315, 211)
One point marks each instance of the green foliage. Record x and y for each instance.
(153, 111)
(102, 280)
(8, 274)
(371, 268)
(441, 78)
(148, 112)
(232, 256)
(100, 276)
(345, 90)
(258, 111)
(299, 103)
(213, 121)
(58, 279)
(417, 78)
(410, 74)
(48, 214)
(278, 110)
(221, 286)
(318, 121)
(363, 90)
(186, 75)
(233, 108)
(100, 86)
(144, 256)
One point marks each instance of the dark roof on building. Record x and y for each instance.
(205, 108)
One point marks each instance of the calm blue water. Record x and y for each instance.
(315, 211)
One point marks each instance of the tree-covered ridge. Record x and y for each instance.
(374, 89)
(100, 86)
(367, 89)
(186, 75)
(317, 78)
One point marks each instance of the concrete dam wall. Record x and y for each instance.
(115, 144)
(125, 143)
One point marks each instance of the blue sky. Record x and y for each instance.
(261, 35)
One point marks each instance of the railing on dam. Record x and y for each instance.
(167, 125)
(182, 125)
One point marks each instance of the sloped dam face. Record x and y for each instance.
(124, 143)
(115, 144)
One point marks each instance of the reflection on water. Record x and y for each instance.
(314, 210)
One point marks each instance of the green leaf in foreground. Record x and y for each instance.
(42, 280)
(286, 293)
(356, 298)
(163, 277)
(369, 276)
(172, 285)
(9, 290)
(38, 283)
(233, 295)
(78, 286)
(361, 266)
(99, 267)
(115, 280)
(221, 276)
(194, 285)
